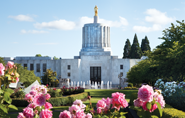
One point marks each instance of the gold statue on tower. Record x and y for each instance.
(96, 11)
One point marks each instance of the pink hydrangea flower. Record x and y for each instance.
(88, 115)
(138, 102)
(47, 96)
(47, 105)
(80, 114)
(152, 108)
(101, 104)
(9, 65)
(79, 103)
(28, 112)
(39, 99)
(65, 114)
(28, 97)
(45, 113)
(1, 69)
(145, 93)
(33, 92)
(74, 109)
(21, 115)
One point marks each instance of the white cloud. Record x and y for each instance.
(122, 22)
(157, 17)
(46, 44)
(58, 24)
(155, 27)
(33, 32)
(15, 42)
(158, 20)
(22, 18)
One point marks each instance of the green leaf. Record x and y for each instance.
(159, 108)
(148, 105)
(3, 107)
(7, 98)
(12, 107)
(36, 116)
(8, 76)
(1, 91)
(9, 90)
(122, 113)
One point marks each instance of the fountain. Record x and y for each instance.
(78, 84)
(108, 85)
(71, 83)
(74, 83)
(83, 84)
(95, 86)
(89, 84)
(101, 84)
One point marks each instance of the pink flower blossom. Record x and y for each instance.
(36, 111)
(138, 102)
(1, 69)
(45, 113)
(33, 92)
(145, 93)
(118, 100)
(21, 115)
(32, 105)
(80, 114)
(152, 108)
(74, 109)
(9, 65)
(101, 104)
(28, 97)
(48, 105)
(47, 96)
(39, 99)
(28, 112)
(35, 87)
(17, 79)
(65, 114)
(79, 103)
(88, 115)
(108, 102)
(99, 110)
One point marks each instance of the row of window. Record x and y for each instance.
(37, 67)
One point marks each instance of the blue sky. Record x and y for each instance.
(54, 28)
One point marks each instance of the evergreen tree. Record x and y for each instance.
(145, 44)
(127, 49)
(135, 52)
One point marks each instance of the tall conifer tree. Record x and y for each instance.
(127, 49)
(145, 45)
(135, 49)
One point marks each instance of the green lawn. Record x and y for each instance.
(96, 95)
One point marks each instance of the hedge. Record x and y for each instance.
(55, 101)
(168, 111)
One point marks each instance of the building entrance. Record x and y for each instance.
(95, 74)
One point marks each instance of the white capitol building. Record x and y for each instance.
(95, 61)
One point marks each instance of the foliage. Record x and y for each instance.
(38, 55)
(19, 102)
(55, 58)
(127, 49)
(27, 77)
(18, 93)
(54, 93)
(135, 52)
(7, 74)
(130, 88)
(145, 45)
(2, 61)
(49, 77)
(130, 85)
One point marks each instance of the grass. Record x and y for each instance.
(96, 95)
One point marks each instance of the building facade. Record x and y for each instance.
(95, 61)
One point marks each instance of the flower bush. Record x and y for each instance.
(103, 108)
(149, 100)
(71, 90)
(38, 106)
(8, 74)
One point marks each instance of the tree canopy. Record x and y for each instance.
(135, 52)
(49, 77)
(26, 76)
(165, 61)
(38, 55)
(145, 45)
(127, 49)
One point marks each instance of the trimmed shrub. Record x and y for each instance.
(54, 93)
(130, 85)
(19, 102)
